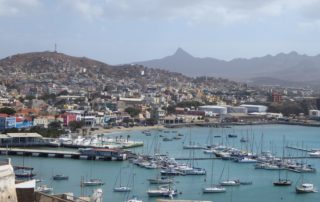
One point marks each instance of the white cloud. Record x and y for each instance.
(13, 7)
(223, 11)
(87, 8)
(190, 11)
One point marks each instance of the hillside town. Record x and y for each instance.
(51, 90)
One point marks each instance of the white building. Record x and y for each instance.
(255, 108)
(238, 110)
(275, 115)
(314, 113)
(213, 109)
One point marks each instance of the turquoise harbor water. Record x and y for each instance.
(261, 190)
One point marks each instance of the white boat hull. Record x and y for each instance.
(122, 189)
(213, 190)
(230, 183)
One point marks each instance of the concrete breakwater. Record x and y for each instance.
(86, 154)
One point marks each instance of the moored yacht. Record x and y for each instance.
(160, 180)
(282, 182)
(246, 160)
(171, 172)
(230, 183)
(162, 191)
(92, 182)
(314, 154)
(122, 189)
(60, 177)
(214, 189)
(192, 146)
(305, 188)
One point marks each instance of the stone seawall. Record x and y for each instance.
(7, 183)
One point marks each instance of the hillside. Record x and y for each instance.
(64, 69)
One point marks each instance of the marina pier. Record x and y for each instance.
(85, 154)
(298, 148)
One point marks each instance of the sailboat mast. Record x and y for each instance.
(261, 143)
(211, 172)
(120, 175)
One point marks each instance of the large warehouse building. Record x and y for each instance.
(255, 108)
(213, 109)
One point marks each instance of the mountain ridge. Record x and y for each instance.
(284, 66)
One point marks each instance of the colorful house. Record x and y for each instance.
(23, 122)
(7, 122)
(68, 117)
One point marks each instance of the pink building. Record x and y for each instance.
(68, 117)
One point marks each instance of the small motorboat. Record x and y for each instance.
(44, 189)
(166, 139)
(60, 177)
(245, 182)
(232, 135)
(243, 139)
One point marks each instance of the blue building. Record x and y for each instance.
(7, 123)
(24, 124)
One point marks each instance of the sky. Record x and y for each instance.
(124, 31)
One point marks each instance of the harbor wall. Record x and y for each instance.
(164, 200)
(7, 183)
(41, 197)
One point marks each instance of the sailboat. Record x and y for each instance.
(192, 145)
(190, 169)
(213, 188)
(286, 181)
(160, 180)
(23, 171)
(134, 198)
(92, 181)
(282, 182)
(304, 187)
(121, 188)
(164, 191)
(229, 182)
